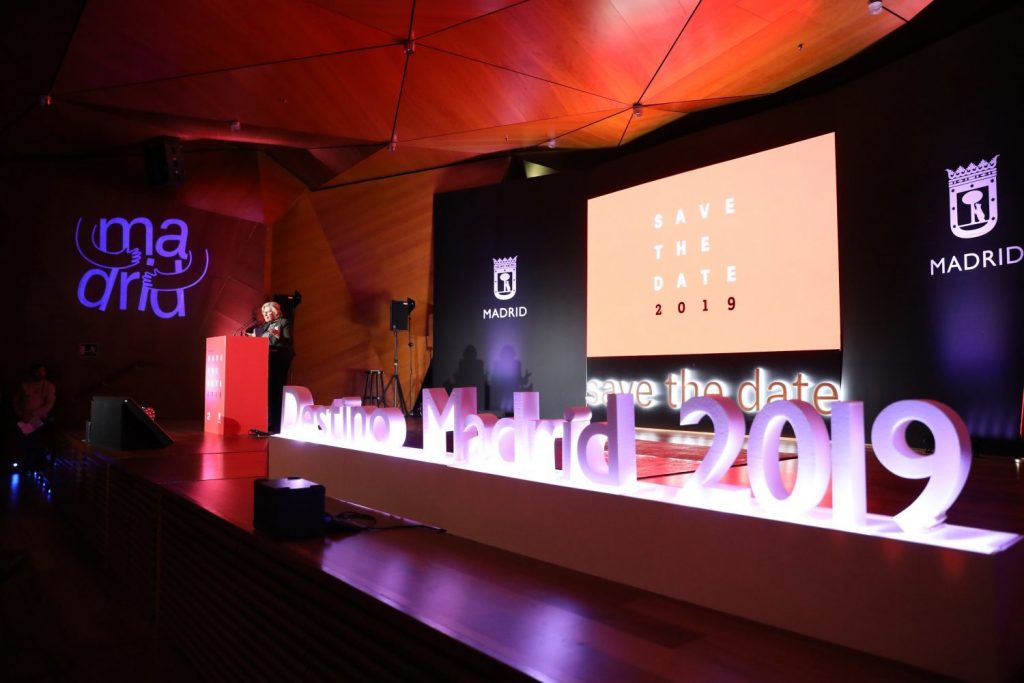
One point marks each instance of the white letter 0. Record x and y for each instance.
(813, 465)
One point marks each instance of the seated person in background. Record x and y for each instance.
(279, 331)
(34, 400)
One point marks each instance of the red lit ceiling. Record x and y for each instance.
(347, 90)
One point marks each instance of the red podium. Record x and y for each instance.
(236, 384)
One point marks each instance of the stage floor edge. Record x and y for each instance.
(952, 612)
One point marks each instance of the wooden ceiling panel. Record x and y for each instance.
(655, 24)
(303, 165)
(222, 182)
(66, 128)
(703, 53)
(132, 42)
(339, 159)
(352, 96)
(772, 10)
(32, 44)
(907, 9)
(404, 159)
(323, 85)
(606, 132)
(463, 176)
(651, 119)
(515, 136)
(475, 95)
(439, 15)
(617, 129)
(278, 189)
(690, 106)
(758, 59)
(392, 16)
(190, 128)
(589, 46)
(388, 16)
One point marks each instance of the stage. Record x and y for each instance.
(174, 529)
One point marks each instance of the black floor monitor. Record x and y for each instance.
(120, 424)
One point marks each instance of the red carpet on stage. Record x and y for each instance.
(657, 457)
(648, 465)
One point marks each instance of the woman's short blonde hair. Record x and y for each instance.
(271, 304)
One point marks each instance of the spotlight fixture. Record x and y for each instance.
(638, 110)
(45, 100)
(235, 126)
(393, 143)
(550, 144)
(410, 46)
(875, 7)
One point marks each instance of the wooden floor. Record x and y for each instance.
(59, 618)
(67, 616)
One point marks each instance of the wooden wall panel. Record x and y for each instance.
(278, 188)
(223, 182)
(330, 346)
(351, 251)
(156, 361)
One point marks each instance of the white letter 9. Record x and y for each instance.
(946, 469)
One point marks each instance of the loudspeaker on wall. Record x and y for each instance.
(399, 315)
(165, 162)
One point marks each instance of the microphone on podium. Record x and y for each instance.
(241, 331)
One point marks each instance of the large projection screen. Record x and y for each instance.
(738, 257)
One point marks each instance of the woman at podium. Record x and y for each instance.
(278, 330)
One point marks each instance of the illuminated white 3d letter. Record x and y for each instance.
(443, 413)
(812, 457)
(542, 447)
(475, 437)
(849, 491)
(619, 432)
(575, 420)
(387, 427)
(946, 469)
(729, 429)
(526, 410)
(293, 400)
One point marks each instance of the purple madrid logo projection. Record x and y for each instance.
(138, 265)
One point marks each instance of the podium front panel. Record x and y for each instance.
(236, 385)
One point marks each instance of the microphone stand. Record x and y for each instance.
(245, 326)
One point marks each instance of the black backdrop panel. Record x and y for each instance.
(534, 340)
(925, 313)
(911, 329)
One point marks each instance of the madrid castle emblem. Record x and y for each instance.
(973, 203)
(505, 277)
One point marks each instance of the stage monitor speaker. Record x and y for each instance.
(399, 315)
(288, 508)
(120, 424)
(165, 162)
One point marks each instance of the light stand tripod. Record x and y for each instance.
(399, 396)
(412, 386)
